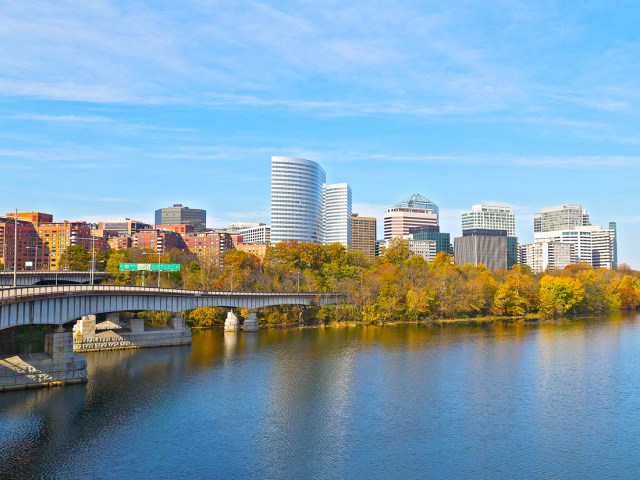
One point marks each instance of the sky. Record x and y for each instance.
(113, 109)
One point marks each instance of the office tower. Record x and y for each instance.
(494, 217)
(338, 226)
(614, 228)
(413, 211)
(561, 217)
(477, 246)
(432, 232)
(179, 215)
(363, 236)
(490, 217)
(296, 200)
(547, 255)
(123, 227)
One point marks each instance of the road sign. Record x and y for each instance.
(163, 267)
(128, 267)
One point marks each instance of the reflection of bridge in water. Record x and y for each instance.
(61, 304)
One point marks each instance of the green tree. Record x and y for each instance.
(558, 295)
(75, 258)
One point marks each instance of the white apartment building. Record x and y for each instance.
(490, 217)
(337, 214)
(580, 238)
(544, 255)
(259, 234)
(426, 249)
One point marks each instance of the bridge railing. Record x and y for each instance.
(8, 294)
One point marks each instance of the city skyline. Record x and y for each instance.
(512, 104)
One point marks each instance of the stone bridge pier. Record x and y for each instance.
(232, 324)
(58, 365)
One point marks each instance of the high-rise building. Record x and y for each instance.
(363, 236)
(490, 217)
(494, 217)
(579, 238)
(413, 211)
(24, 254)
(56, 237)
(338, 226)
(543, 256)
(296, 200)
(561, 217)
(177, 214)
(614, 228)
(603, 246)
(124, 226)
(477, 246)
(432, 232)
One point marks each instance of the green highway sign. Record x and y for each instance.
(128, 267)
(163, 267)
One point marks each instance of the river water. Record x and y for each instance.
(557, 400)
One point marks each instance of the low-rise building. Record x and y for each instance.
(543, 256)
(257, 249)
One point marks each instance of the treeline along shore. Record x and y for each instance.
(396, 287)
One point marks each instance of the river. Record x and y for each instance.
(555, 400)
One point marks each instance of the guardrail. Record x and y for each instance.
(11, 293)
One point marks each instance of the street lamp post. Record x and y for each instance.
(15, 250)
(93, 256)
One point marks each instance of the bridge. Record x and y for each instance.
(60, 304)
(48, 277)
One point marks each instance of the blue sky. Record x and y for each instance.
(112, 109)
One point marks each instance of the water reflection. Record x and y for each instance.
(558, 400)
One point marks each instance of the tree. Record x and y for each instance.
(75, 258)
(558, 295)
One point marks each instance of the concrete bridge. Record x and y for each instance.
(60, 304)
(49, 277)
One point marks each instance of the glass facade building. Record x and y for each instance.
(432, 232)
(296, 200)
(337, 214)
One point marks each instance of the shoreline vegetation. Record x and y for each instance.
(396, 287)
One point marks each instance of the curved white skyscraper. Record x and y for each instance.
(296, 200)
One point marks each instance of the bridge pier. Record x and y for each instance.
(86, 339)
(58, 365)
(231, 323)
(251, 323)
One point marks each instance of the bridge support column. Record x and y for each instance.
(58, 365)
(86, 326)
(177, 323)
(231, 323)
(251, 323)
(136, 325)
